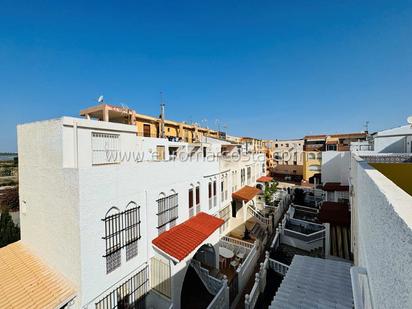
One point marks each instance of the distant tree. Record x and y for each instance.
(10, 199)
(9, 232)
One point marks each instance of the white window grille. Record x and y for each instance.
(105, 148)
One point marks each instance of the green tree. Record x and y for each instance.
(270, 190)
(9, 232)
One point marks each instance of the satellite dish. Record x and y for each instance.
(409, 119)
(100, 99)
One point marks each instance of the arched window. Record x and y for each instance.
(167, 210)
(131, 229)
(113, 238)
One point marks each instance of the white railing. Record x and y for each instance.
(262, 219)
(245, 269)
(237, 242)
(308, 238)
(278, 267)
(276, 240)
(259, 285)
(212, 284)
(221, 299)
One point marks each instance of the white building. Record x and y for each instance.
(102, 206)
(396, 140)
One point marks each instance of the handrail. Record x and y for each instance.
(304, 237)
(238, 242)
(212, 284)
(258, 216)
(219, 298)
(278, 267)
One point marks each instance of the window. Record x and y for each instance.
(204, 152)
(146, 130)
(167, 210)
(331, 147)
(160, 150)
(242, 177)
(113, 239)
(131, 230)
(190, 198)
(249, 174)
(224, 214)
(122, 229)
(130, 294)
(197, 195)
(105, 148)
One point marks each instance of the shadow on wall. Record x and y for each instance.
(397, 146)
(338, 168)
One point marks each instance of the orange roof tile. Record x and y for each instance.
(264, 179)
(182, 239)
(245, 194)
(26, 282)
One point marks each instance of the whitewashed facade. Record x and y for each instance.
(72, 193)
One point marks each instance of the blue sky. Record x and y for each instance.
(269, 69)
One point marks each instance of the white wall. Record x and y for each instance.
(49, 198)
(335, 166)
(396, 140)
(382, 235)
(67, 197)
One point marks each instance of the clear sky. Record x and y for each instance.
(269, 69)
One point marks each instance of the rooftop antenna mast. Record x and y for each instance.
(162, 116)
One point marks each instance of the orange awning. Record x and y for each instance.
(264, 179)
(245, 194)
(182, 239)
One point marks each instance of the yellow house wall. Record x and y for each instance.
(308, 162)
(399, 173)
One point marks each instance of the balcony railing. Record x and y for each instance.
(198, 208)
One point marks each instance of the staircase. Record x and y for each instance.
(212, 284)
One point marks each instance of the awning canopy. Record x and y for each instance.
(182, 239)
(245, 194)
(264, 179)
(26, 282)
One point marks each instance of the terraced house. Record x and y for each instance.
(113, 218)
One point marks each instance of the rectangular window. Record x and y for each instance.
(167, 210)
(214, 188)
(146, 130)
(130, 294)
(105, 148)
(190, 198)
(197, 195)
(160, 150)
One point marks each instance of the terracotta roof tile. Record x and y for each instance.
(182, 239)
(26, 282)
(245, 194)
(264, 179)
